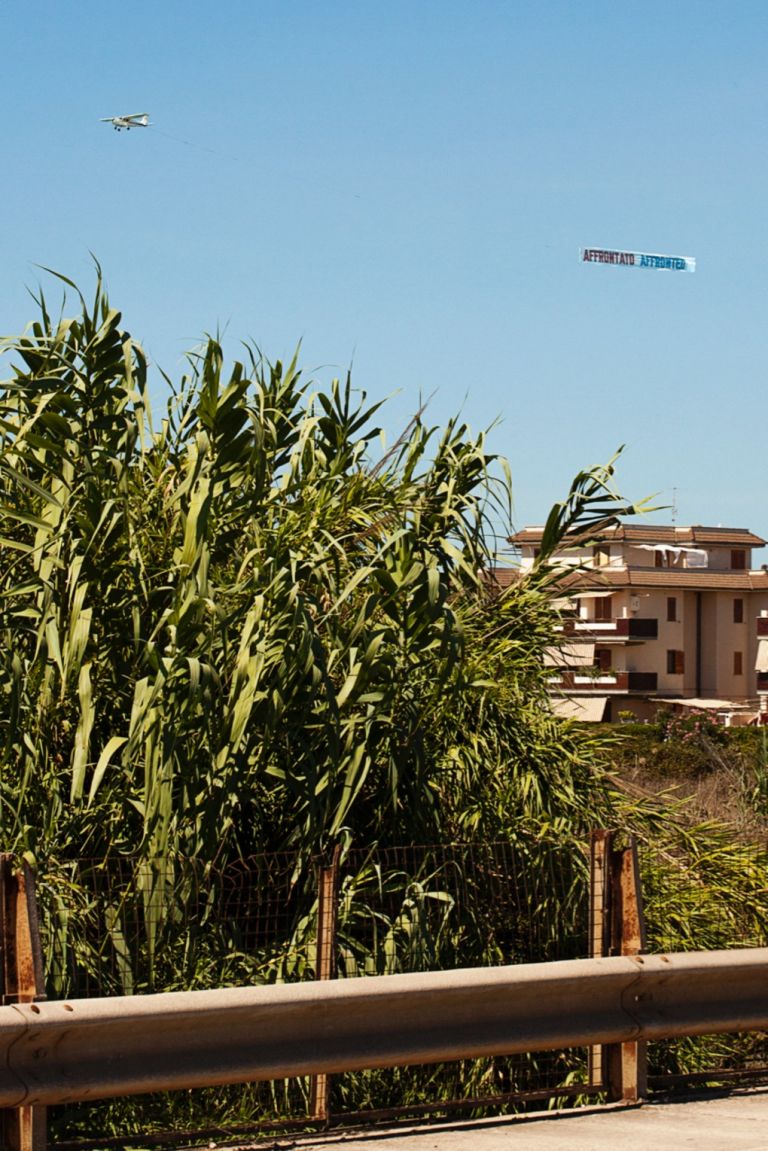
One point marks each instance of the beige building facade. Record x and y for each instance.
(660, 616)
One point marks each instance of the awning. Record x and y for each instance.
(697, 557)
(570, 655)
(590, 709)
(592, 594)
(761, 663)
(676, 548)
(702, 704)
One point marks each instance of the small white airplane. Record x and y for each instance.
(135, 120)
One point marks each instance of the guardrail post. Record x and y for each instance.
(325, 965)
(21, 974)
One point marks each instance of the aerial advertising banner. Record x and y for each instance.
(638, 259)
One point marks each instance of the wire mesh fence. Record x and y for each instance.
(704, 901)
(131, 928)
(435, 908)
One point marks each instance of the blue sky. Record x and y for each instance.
(405, 187)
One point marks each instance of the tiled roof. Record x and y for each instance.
(696, 579)
(504, 577)
(661, 534)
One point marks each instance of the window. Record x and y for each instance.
(738, 663)
(738, 611)
(675, 662)
(604, 608)
(601, 555)
(659, 559)
(671, 608)
(603, 658)
(738, 559)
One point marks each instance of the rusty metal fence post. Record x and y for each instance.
(21, 981)
(616, 927)
(599, 920)
(325, 965)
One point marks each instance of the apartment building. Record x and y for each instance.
(660, 616)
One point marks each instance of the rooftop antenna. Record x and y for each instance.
(674, 507)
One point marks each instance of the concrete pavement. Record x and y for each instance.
(737, 1122)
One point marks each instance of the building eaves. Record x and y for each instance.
(696, 579)
(660, 534)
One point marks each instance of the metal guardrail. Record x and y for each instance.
(59, 1052)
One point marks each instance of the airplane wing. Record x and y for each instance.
(137, 119)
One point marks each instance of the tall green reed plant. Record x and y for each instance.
(234, 629)
(237, 627)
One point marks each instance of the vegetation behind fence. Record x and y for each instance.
(131, 927)
(114, 930)
(243, 628)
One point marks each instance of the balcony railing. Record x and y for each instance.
(642, 681)
(625, 627)
(575, 680)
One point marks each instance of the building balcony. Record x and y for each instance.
(614, 682)
(625, 627)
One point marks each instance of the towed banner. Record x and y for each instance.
(638, 259)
